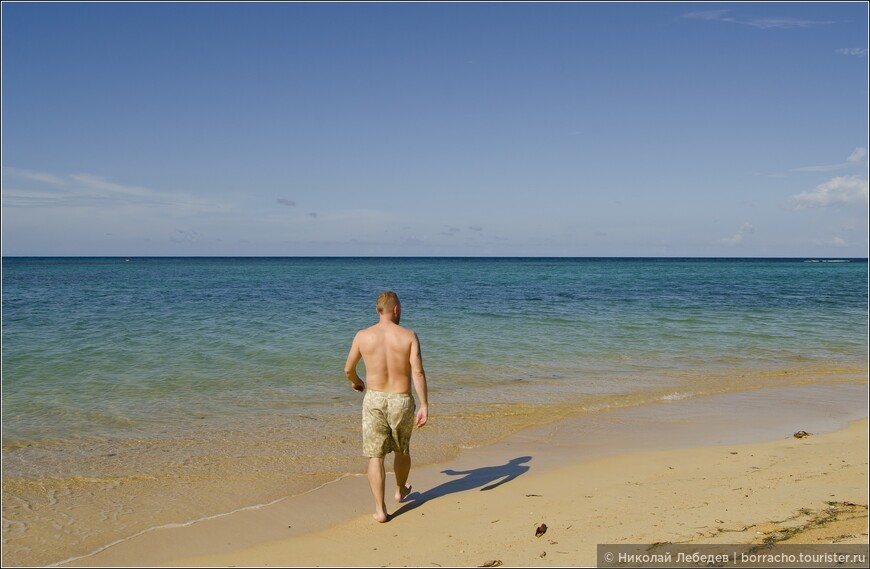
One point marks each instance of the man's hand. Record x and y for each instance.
(358, 385)
(422, 416)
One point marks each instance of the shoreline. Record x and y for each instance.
(106, 509)
(296, 524)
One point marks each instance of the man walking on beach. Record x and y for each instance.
(392, 357)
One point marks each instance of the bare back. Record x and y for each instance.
(392, 358)
(388, 351)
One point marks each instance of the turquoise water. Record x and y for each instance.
(99, 346)
(205, 371)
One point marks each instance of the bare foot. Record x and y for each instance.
(402, 493)
(380, 517)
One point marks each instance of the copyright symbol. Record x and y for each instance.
(608, 557)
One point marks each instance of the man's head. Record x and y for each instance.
(389, 305)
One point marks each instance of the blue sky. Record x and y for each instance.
(564, 129)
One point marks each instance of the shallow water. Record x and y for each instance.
(147, 391)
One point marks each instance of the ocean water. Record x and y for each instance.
(145, 391)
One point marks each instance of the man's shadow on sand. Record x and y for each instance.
(488, 477)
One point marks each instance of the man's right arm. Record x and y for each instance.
(419, 377)
(350, 366)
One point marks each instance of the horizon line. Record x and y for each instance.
(420, 257)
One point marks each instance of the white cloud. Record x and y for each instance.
(13, 197)
(842, 190)
(737, 238)
(761, 23)
(821, 168)
(34, 176)
(66, 213)
(101, 184)
(857, 155)
(90, 190)
(708, 15)
(852, 51)
(833, 241)
(783, 23)
(184, 236)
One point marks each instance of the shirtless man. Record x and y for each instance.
(392, 357)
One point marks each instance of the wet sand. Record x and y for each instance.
(718, 469)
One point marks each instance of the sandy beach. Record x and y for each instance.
(722, 469)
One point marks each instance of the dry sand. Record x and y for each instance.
(700, 479)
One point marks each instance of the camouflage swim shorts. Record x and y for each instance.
(387, 423)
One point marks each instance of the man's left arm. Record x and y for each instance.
(350, 366)
(418, 374)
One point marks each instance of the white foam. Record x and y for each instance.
(676, 396)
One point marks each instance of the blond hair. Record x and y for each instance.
(386, 301)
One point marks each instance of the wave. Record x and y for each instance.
(675, 396)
